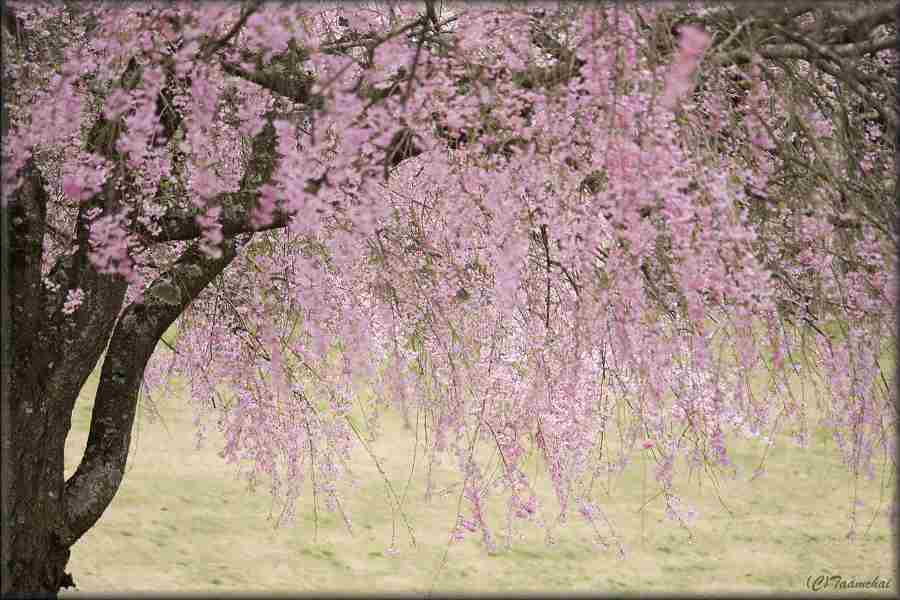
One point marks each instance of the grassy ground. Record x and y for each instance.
(182, 522)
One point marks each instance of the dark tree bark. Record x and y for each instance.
(47, 357)
(43, 514)
(34, 427)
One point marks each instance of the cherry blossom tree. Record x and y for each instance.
(535, 226)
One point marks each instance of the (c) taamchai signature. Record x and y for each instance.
(820, 583)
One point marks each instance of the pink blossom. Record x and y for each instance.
(546, 264)
(74, 298)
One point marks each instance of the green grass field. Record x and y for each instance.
(182, 522)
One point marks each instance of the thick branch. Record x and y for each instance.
(11, 23)
(798, 51)
(77, 270)
(297, 90)
(137, 331)
(73, 343)
(26, 213)
(76, 341)
(860, 25)
(291, 82)
(848, 74)
(94, 484)
(181, 223)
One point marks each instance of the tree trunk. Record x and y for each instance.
(43, 514)
(34, 414)
(34, 557)
(47, 355)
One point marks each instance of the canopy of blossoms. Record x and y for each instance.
(536, 228)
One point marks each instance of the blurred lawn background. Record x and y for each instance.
(182, 522)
